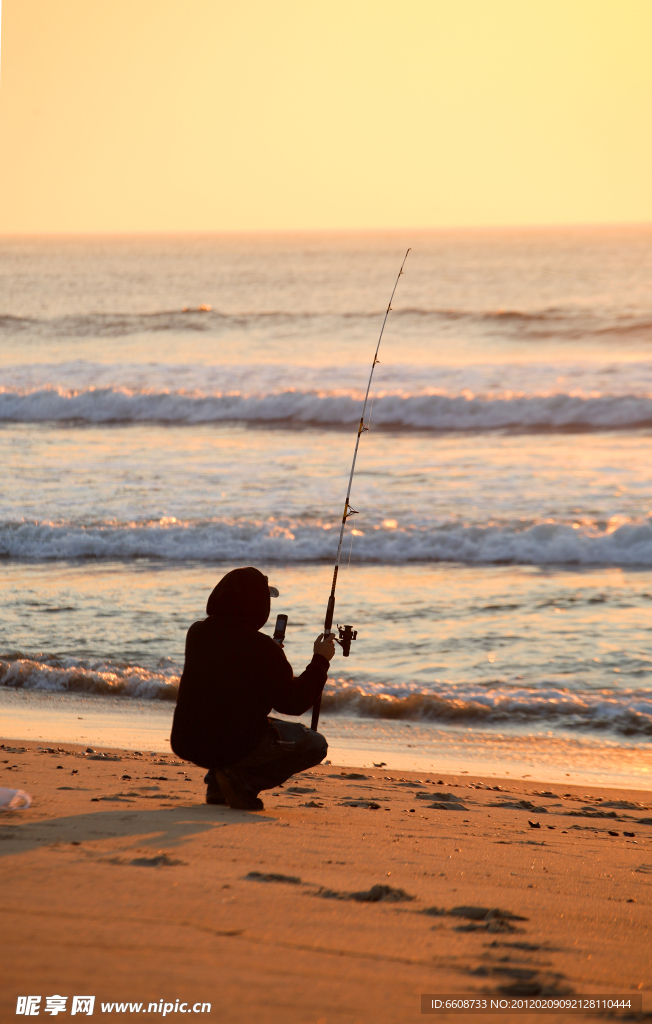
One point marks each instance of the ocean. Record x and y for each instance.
(171, 407)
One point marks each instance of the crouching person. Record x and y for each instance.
(233, 677)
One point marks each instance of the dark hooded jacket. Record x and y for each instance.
(234, 676)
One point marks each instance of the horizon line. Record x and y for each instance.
(434, 229)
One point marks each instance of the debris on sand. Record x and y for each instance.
(119, 798)
(624, 805)
(590, 812)
(526, 981)
(484, 914)
(381, 893)
(519, 805)
(443, 797)
(487, 926)
(485, 919)
(528, 947)
(14, 799)
(259, 876)
(439, 806)
(521, 988)
(377, 894)
(160, 861)
(369, 804)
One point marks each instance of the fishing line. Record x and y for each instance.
(371, 412)
(346, 633)
(350, 550)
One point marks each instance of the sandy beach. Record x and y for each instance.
(352, 894)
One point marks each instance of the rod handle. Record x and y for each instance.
(330, 612)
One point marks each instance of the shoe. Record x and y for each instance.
(213, 797)
(214, 794)
(237, 794)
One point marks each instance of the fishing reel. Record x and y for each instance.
(345, 639)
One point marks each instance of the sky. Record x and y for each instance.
(283, 115)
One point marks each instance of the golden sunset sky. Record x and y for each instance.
(207, 115)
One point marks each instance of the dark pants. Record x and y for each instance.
(285, 749)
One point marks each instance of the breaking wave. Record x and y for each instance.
(288, 540)
(54, 676)
(627, 713)
(436, 412)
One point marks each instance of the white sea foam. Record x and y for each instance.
(220, 540)
(627, 713)
(588, 378)
(396, 411)
(81, 677)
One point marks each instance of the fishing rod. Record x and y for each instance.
(346, 633)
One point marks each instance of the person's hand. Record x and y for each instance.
(325, 645)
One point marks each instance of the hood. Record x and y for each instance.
(242, 596)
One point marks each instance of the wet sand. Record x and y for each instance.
(120, 882)
(125, 722)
